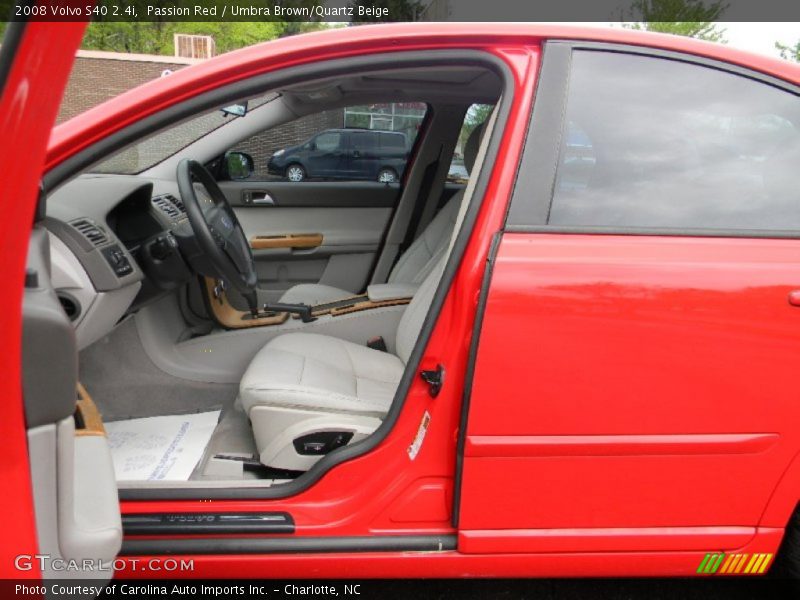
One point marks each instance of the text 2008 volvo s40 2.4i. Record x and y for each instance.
(582, 359)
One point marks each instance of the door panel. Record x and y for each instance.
(351, 218)
(72, 474)
(632, 382)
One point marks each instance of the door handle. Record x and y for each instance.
(794, 297)
(260, 198)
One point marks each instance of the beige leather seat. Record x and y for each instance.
(415, 263)
(307, 394)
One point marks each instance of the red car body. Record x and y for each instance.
(589, 450)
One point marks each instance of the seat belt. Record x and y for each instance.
(473, 179)
(425, 187)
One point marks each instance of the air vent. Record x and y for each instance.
(177, 202)
(170, 206)
(92, 232)
(70, 305)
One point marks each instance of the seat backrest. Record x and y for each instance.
(424, 253)
(411, 323)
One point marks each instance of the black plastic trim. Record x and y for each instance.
(206, 523)
(11, 40)
(297, 545)
(470, 374)
(533, 190)
(472, 57)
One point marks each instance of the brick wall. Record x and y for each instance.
(99, 76)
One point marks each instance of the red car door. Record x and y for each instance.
(35, 61)
(635, 378)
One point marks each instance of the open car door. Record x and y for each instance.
(60, 502)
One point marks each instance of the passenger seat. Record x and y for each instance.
(416, 263)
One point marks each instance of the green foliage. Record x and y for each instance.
(789, 52)
(691, 18)
(477, 114)
(157, 37)
(399, 10)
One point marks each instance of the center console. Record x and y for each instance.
(229, 317)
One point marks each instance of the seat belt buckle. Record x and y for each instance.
(377, 343)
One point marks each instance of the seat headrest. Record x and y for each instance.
(471, 147)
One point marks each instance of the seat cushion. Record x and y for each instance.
(320, 373)
(313, 294)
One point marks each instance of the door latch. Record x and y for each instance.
(434, 379)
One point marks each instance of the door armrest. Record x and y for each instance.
(380, 292)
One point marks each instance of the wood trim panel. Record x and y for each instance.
(357, 306)
(232, 318)
(291, 240)
(92, 421)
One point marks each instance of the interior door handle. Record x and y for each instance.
(259, 198)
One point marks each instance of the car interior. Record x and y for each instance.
(270, 320)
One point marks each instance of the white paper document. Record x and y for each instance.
(159, 448)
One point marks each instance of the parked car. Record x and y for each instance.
(349, 154)
(571, 369)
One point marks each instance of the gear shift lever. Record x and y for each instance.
(252, 302)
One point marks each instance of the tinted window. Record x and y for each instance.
(363, 141)
(392, 141)
(328, 141)
(652, 142)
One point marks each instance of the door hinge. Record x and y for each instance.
(434, 379)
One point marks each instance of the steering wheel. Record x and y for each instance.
(217, 230)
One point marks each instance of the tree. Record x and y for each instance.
(691, 18)
(399, 10)
(789, 52)
(157, 37)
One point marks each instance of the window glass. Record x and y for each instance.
(476, 115)
(657, 143)
(370, 142)
(327, 142)
(363, 141)
(156, 148)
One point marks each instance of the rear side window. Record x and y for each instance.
(328, 141)
(657, 143)
(392, 141)
(363, 141)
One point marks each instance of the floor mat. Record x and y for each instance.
(125, 384)
(166, 448)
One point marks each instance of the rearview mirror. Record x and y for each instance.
(237, 110)
(238, 165)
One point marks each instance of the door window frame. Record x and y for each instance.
(534, 190)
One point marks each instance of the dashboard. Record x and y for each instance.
(113, 248)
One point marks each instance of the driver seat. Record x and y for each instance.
(307, 394)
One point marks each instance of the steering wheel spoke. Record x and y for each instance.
(216, 229)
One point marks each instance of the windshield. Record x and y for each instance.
(160, 146)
